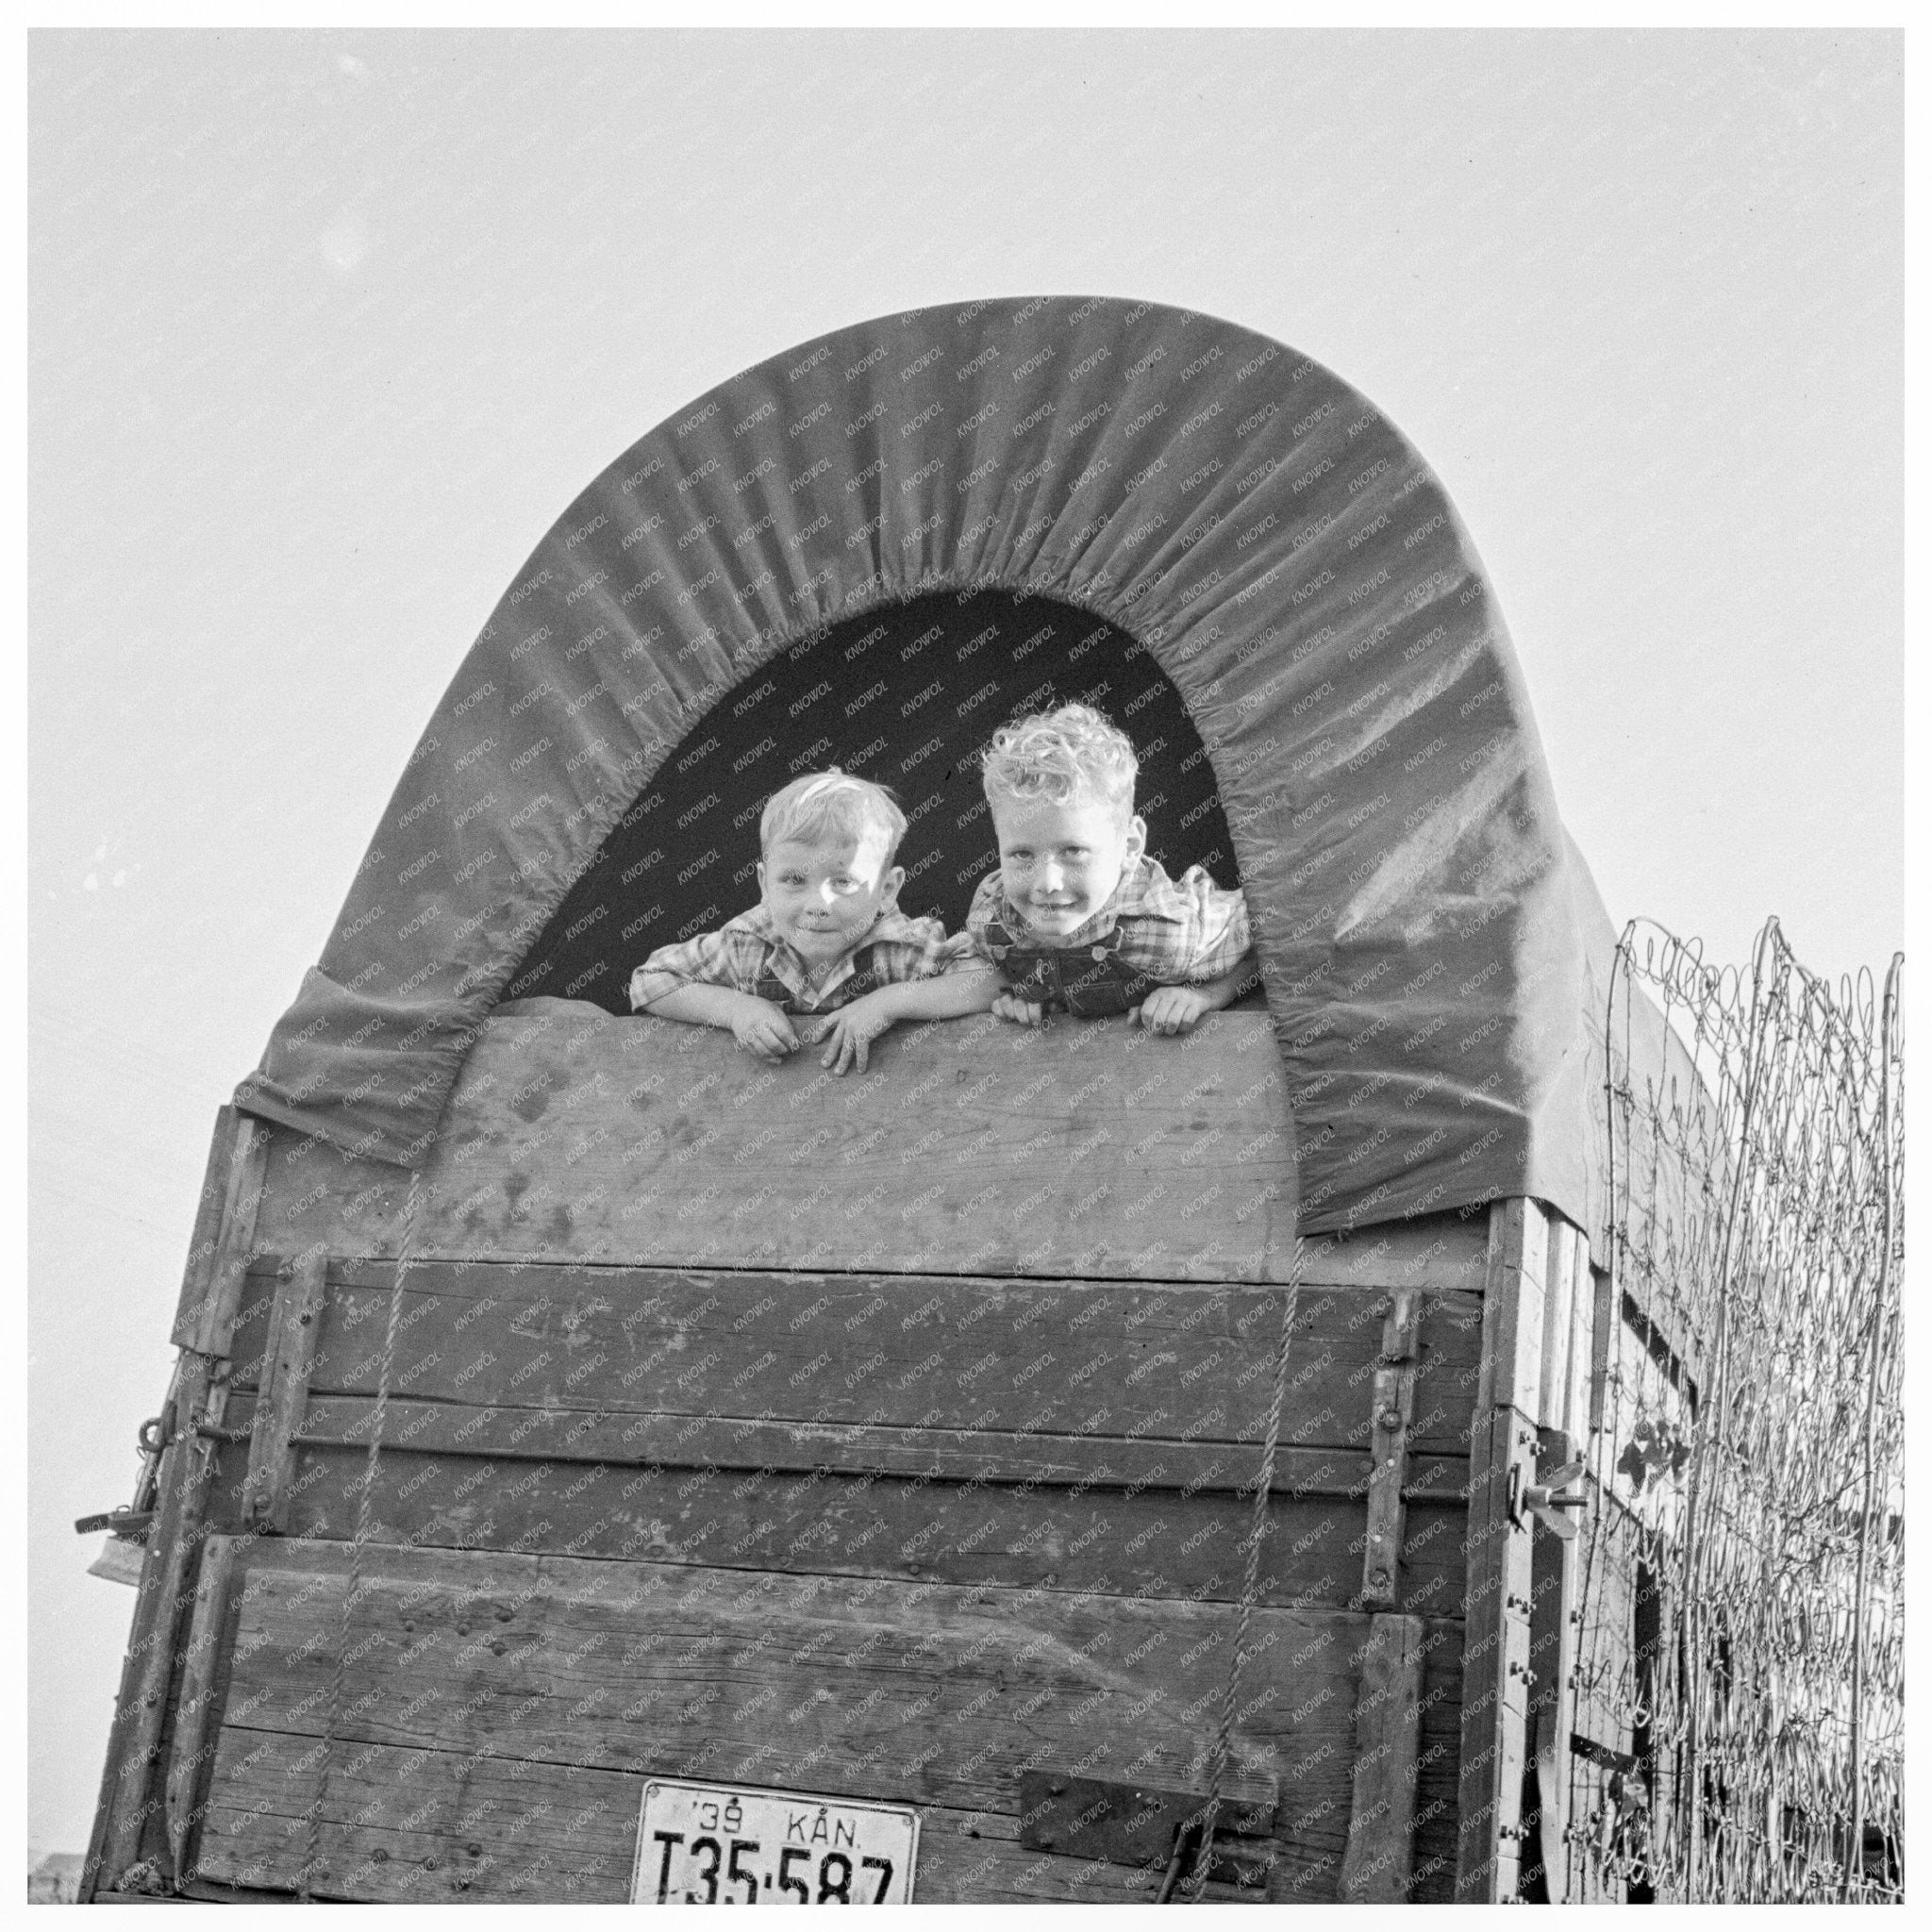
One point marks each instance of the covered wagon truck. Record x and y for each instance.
(1073, 1464)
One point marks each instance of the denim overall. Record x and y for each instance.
(1091, 981)
(862, 981)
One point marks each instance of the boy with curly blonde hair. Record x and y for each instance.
(1078, 918)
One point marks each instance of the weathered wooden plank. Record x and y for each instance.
(96, 1876)
(972, 1146)
(1512, 1340)
(1604, 1692)
(1436, 1794)
(436, 1826)
(296, 1326)
(1554, 1567)
(1558, 1585)
(1503, 1442)
(1559, 1285)
(1322, 1826)
(1568, 1308)
(1387, 1743)
(1132, 1542)
(1121, 1358)
(1432, 1879)
(213, 1322)
(203, 1654)
(1583, 1299)
(248, 1343)
(1439, 1251)
(129, 1807)
(925, 1695)
(217, 1191)
(1444, 1251)
(1040, 1458)
(130, 1813)
(1392, 1424)
(1495, 1665)
(265, 1780)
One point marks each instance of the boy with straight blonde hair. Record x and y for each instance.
(825, 940)
(1078, 918)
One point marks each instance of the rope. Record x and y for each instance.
(365, 1504)
(1264, 1483)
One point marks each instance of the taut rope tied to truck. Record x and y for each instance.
(365, 1504)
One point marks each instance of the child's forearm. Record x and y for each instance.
(1230, 985)
(701, 1006)
(950, 997)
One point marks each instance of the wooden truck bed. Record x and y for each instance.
(884, 1438)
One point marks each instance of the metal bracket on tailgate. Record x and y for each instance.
(1135, 1824)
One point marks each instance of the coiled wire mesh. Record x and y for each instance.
(1750, 1458)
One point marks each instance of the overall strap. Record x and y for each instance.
(864, 978)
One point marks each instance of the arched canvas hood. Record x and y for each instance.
(1430, 940)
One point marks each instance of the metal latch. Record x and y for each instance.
(1138, 1824)
(1549, 1501)
(128, 1522)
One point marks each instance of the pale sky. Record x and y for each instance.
(325, 330)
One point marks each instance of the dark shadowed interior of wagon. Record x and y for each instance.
(907, 695)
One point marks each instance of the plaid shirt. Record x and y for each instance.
(1173, 930)
(745, 953)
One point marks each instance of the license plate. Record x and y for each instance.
(723, 1845)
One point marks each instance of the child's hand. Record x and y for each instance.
(849, 1035)
(763, 1029)
(1171, 1008)
(1010, 1006)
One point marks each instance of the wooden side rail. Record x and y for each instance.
(130, 1845)
(1532, 1416)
